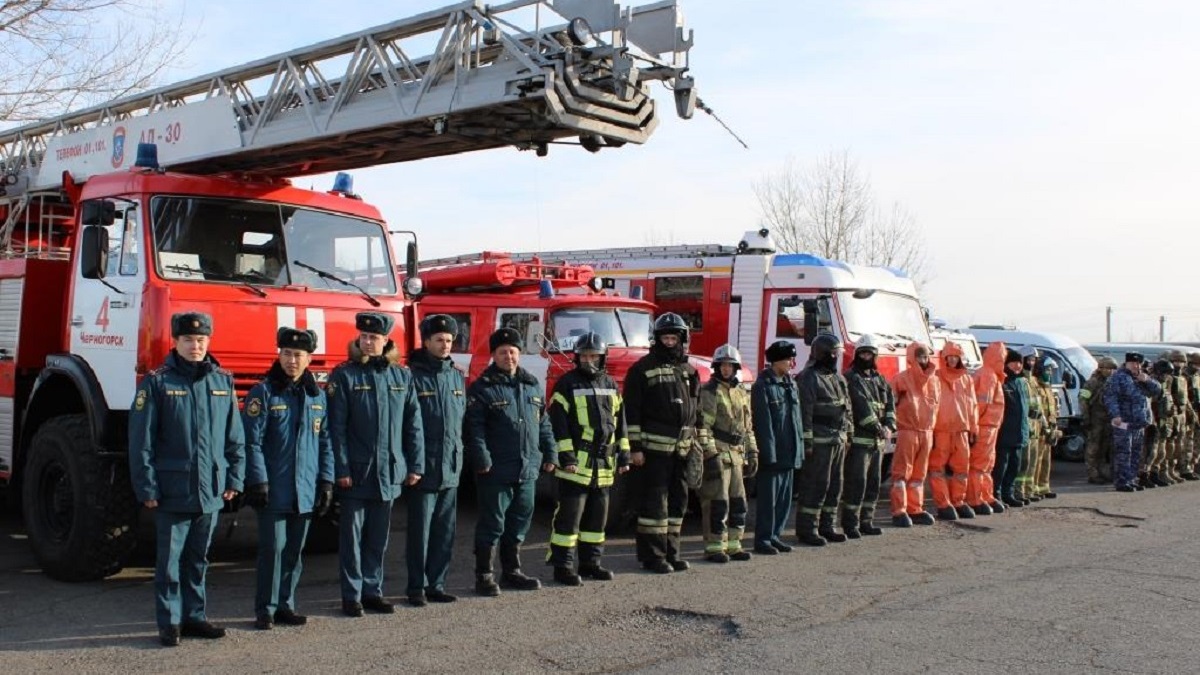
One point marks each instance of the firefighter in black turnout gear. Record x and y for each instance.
(661, 397)
(874, 419)
(591, 447)
(825, 409)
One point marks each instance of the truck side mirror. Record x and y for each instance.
(411, 260)
(811, 326)
(1068, 379)
(98, 212)
(534, 337)
(93, 251)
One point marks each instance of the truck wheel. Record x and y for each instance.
(79, 507)
(1072, 447)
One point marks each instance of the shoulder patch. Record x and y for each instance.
(254, 407)
(139, 403)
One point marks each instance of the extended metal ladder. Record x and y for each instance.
(629, 253)
(524, 73)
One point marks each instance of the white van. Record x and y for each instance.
(1075, 366)
(972, 354)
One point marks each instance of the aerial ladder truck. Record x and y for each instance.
(115, 217)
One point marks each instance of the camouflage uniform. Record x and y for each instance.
(1037, 421)
(1050, 436)
(1192, 373)
(1098, 454)
(1179, 461)
(1162, 407)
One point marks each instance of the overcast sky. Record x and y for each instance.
(1048, 149)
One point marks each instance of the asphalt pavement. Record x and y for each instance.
(1094, 580)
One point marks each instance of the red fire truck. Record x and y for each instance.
(101, 245)
(550, 304)
(750, 295)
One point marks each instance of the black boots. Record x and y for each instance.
(923, 518)
(964, 512)
(485, 580)
(202, 629)
(947, 514)
(658, 566)
(827, 532)
(806, 531)
(512, 577)
(566, 576)
(595, 571)
(901, 520)
(811, 538)
(867, 527)
(378, 605)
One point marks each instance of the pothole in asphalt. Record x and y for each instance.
(1085, 514)
(676, 621)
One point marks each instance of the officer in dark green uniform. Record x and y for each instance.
(778, 433)
(289, 472)
(378, 447)
(509, 441)
(186, 457)
(433, 501)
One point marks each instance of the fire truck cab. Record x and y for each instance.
(551, 305)
(750, 295)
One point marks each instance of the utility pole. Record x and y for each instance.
(1162, 329)
(1108, 324)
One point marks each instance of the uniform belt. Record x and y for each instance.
(726, 437)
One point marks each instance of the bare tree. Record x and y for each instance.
(57, 55)
(830, 209)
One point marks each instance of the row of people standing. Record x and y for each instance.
(1164, 435)
(379, 432)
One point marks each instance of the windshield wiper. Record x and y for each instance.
(621, 327)
(333, 277)
(188, 269)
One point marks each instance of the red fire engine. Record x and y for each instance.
(750, 296)
(550, 304)
(100, 247)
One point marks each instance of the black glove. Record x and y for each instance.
(324, 498)
(712, 467)
(256, 496)
(751, 467)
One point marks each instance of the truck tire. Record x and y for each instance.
(79, 508)
(1071, 447)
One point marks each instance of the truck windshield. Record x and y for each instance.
(885, 314)
(1083, 361)
(226, 240)
(971, 355)
(618, 326)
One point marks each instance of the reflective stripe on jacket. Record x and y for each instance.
(588, 420)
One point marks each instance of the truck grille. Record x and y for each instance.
(246, 375)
